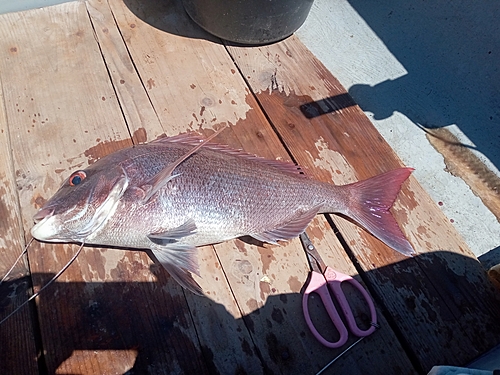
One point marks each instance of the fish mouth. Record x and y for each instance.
(44, 224)
(42, 214)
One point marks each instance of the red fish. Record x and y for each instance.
(177, 193)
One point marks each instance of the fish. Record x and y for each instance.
(174, 194)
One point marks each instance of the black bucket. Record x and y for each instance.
(249, 21)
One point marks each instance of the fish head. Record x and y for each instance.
(81, 205)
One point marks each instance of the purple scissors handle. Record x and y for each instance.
(332, 279)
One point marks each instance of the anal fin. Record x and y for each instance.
(292, 228)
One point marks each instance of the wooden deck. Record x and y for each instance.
(82, 79)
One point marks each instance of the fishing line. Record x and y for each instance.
(17, 260)
(340, 355)
(345, 351)
(46, 285)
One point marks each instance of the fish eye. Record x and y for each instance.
(77, 177)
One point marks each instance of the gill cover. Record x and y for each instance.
(106, 209)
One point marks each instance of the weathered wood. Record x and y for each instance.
(209, 96)
(265, 281)
(134, 101)
(112, 69)
(17, 342)
(109, 312)
(181, 76)
(440, 301)
(218, 315)
(273, 310)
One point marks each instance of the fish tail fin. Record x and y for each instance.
(369, 205)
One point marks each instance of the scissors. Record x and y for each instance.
(324, 278)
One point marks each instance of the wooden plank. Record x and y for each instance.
(264, 281)
(224, 340)
(110, 289)
(181, 76)
(17, 342)
(273, 311)
(182, 103)
(134, 101)
(440, 301)
(112, 310)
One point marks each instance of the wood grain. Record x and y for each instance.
(217, 314)
(134, 101)
(182, 77)
(440, 301)
(99, 316)
(264, 281)
(122, 72)
(17, 342)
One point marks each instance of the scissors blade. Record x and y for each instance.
(315, 261)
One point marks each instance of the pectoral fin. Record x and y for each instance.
(161, 178)
(291, 228)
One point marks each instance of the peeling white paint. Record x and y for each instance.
(332, 161)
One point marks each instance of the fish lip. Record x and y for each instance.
(43, 213)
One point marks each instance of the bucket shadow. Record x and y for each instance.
(168, 16)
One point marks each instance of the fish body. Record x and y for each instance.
(175, 194)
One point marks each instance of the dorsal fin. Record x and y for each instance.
(192, 139)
